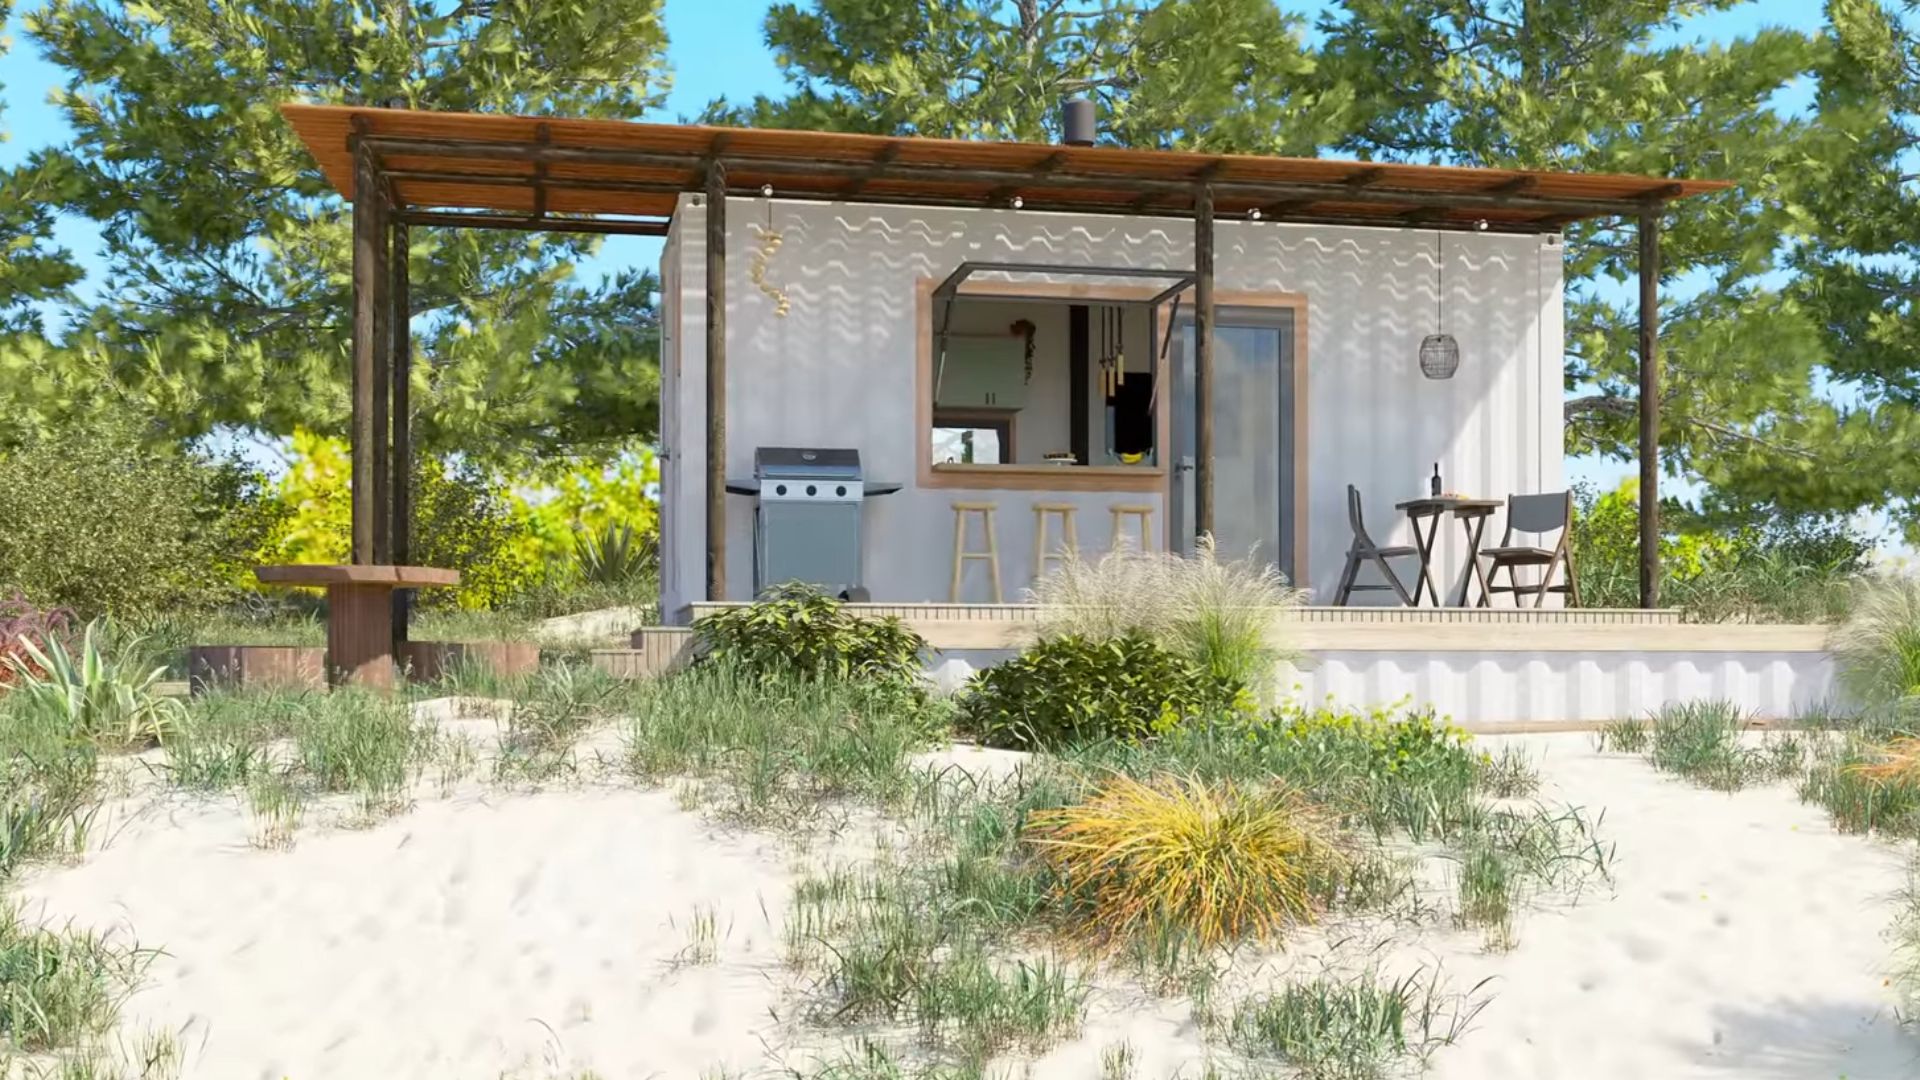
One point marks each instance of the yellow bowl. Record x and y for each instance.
(1133, 459)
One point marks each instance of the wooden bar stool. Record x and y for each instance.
(1070, 538)
(989, 554)
(1145, 516)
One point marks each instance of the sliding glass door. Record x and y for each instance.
(1253, 434)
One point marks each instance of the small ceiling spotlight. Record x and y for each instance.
(766, 191)
(1254, 214)
(1018, 202)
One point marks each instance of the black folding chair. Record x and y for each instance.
(1364, 550)
(1535, 515)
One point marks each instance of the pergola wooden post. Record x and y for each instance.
(401, 460)
(1203, 361)
(369, 352)
(1649, 407)
(716, 380)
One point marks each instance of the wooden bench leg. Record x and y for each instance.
(360, 635)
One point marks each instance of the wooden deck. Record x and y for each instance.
(1348, 629)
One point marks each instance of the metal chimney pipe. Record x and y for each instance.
(1077, 126)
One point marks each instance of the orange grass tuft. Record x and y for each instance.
(1219, 861)
(1899, 762)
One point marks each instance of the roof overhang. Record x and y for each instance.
(615, 176)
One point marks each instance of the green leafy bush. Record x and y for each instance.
(1718, 568)
(795, 631)
(465, 520)
(1074, 689)
(99, 521)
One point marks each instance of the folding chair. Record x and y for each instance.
(1364, 550)
(1535, 515)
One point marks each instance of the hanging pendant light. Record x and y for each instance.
(1439, 353)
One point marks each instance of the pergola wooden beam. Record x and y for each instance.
(1367, 193)
(530, 223)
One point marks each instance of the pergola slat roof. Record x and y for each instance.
(509, 170)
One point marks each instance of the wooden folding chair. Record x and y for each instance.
(1535, 515)
(1364, 550)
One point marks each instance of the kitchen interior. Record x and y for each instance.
(1045, 382)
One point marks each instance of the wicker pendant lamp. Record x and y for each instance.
(1439, 353)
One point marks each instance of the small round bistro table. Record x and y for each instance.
(1472, 515)
(359, 613)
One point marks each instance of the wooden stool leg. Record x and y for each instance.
(993, 556)
(1039, 543)
(959, 553)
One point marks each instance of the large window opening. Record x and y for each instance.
(1044, 382)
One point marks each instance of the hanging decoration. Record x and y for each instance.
(1439, 353)
(1024, 330)
(1113, 355)
(770, 239)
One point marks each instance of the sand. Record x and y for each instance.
(536, 934)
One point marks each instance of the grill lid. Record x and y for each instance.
(805, 463)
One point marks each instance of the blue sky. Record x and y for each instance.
(714, 54)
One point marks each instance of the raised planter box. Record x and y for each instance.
(301, 667)
(428, 661)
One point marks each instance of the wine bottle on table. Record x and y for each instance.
(1436, 480)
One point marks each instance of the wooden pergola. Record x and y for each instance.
(404, 168)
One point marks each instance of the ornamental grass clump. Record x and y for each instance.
(1878, 648)
(1220, 860)
(1217, 613)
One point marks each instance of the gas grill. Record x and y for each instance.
(807, 525)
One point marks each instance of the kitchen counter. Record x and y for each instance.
(1144, 478)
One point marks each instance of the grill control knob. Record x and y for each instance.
(779, 489)
(841, 490)
(811, 490)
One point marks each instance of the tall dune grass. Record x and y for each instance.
(1878, 647)
(1220, 613)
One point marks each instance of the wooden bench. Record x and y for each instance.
(359, 613)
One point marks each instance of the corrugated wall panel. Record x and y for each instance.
(839, 370)
(1561, 687)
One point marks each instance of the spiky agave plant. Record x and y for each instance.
(92, 692)
(1219, 861)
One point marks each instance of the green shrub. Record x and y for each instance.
(1074, 689)
(1718, 568)
(797, 632)
(465, 520)
(100, 521)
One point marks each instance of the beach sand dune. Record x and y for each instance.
(539, 934)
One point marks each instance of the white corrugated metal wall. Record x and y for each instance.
(840, 369)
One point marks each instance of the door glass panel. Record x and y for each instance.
(1253, 448)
